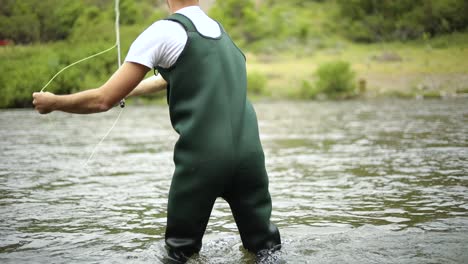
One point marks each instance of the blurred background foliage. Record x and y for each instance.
(376, 20)
(46, 36)
(335, 80)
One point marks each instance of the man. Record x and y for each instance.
(218, 153)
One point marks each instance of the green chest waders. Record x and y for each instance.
(218, 153)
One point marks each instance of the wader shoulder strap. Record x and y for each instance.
(184, 21)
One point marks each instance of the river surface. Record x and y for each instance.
(381, 181)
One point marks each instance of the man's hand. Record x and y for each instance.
(101, 99)
(44, 102)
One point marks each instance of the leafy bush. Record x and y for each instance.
(334, 80)
(308, 91)
(19, 79)
(240, 18)
(25, 69)
(273, 24)
(20, 28)
(370, 20)
(256, 83)
(37, 20)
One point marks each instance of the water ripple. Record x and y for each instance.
(351, 182)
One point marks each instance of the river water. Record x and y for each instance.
(381, 181)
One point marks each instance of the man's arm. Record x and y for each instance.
(101, 99)
(149, 85)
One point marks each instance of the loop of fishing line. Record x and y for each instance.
(116, 45)
(75, 63)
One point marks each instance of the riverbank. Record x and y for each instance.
(433, 68)
(436, 67)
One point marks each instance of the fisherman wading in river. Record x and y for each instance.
(218, 153)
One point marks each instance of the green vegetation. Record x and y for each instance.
(371, 21)
(334, 80)
(256, 83)
(274, 24)
(27, 68)
(397, 48)
(411, 69)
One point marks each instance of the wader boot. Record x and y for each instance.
(218, 153)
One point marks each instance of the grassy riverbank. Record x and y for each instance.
(281, 66)
(431, 68)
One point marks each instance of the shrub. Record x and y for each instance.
(335, 79)
(371, 21)
(256, 83)
(19, 79)
(36, 20)
(308, 90)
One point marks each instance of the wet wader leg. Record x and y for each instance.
(250, 204)
(189, 208)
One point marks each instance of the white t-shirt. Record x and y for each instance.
(163, 42)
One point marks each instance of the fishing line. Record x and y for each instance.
(122, 102)
(103, 138)
(116, 45)
(117, 31)
(76, 62)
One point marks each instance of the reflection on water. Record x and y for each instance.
(352, 182)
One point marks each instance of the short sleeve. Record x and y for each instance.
(159, 45)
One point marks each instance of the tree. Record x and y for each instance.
(240, 18)
(37, 20)
(375, 20)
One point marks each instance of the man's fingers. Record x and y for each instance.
(35, 102)
(41, 102)
(34, 95)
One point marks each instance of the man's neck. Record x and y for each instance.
(176, 6)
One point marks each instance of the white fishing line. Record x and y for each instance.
(122, 103)
(75, 63)
(117, 31)
(103, 138)
(116, 45)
